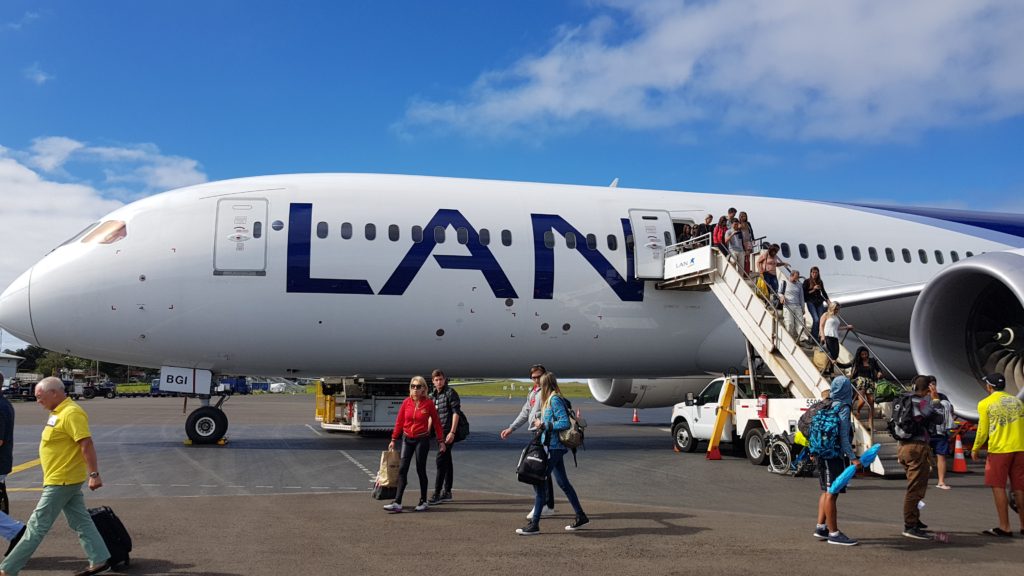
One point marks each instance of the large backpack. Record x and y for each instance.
(572, 437)
(823, 440)
(804, 424)
(903, 426)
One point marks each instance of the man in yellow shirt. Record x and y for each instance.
(68, 458)
(1001, 424)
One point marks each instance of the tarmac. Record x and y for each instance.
(284, 497)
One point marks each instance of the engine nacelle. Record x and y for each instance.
(968, 322)
(645, 392)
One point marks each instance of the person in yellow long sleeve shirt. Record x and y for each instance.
(1001, 425)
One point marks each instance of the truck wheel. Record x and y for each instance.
(754, 441)
(684, 440)
(88, 394)
(111, 394)
(206, 425)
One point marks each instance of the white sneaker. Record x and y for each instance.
(393, 507)
(422, 506)
(544, 512)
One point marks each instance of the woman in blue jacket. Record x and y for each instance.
(554, 418)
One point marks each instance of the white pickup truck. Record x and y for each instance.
(693, 421)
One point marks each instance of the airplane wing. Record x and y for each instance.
(877, 295)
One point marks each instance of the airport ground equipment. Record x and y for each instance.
(725, 411)
(360, 405)
(697, 265)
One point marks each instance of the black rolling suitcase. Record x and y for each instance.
(117, 539)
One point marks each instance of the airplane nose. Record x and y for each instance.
(15, 314)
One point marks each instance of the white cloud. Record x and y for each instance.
(26, 18)
(51, 153)
(793, 69)
(37, 75)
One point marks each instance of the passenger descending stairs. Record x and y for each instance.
(705, 268)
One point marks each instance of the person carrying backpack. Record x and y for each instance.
(914, 452)
(833, 423)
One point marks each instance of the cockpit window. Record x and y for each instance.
(80, 234)
(107, 233)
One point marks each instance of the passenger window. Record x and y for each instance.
(855, 252)
(821, 252)
(393, 232)
(873, 254)
(570, 240)
(371, 231)
(462, 235)
(890, 255)
(321, 230)
(591, 242)
(439, 234)
(668, 239)
(969, 253)
(417, 234)
(257, 229)
(346, 230)
(923, 256)
(549, 239)
(938, 258)
(785, 250)
(629, 242)
(506, 237)
(803, 251)
(906, 256)
(954, 256)
(839, 252)
(485, 236)
(613, 242)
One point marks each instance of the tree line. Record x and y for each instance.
(50, 363)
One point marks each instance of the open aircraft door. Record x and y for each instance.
(240, 243)
(652, 233)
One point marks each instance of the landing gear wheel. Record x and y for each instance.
(88, 394)
(684, 440)
(754, 441)
(779, 458)
(206, 425)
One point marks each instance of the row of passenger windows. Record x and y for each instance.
(890, 254)
(462, 235)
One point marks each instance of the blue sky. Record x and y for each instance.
(918, 102)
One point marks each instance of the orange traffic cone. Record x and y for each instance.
(636, 417)
(959, 462)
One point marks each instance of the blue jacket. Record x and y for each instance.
(555, 419)
(841, 392)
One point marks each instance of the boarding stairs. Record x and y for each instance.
(704, 268)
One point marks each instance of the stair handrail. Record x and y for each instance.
(885, 368)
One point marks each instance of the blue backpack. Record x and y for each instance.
(823, 440)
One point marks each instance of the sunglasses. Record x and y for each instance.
(416, 386)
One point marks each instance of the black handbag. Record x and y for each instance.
(462, 429)
(533, 463)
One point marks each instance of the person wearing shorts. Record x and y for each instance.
(841, 392)
(1001, 425)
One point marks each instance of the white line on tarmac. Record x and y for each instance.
(665, 429)
(358, 464)
(313, 430)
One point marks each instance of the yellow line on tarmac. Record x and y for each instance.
(25, 489)
(25, 466)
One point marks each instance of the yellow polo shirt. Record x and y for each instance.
(59, 452)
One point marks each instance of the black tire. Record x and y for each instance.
(754, 443)
(111, 394)
(88, 394)
(779, 457)
(206, 425)
(683, 438)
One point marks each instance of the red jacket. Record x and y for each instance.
(414, 422)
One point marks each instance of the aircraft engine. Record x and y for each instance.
(645, 392)
(968, 322)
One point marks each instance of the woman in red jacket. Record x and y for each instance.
(415, 419)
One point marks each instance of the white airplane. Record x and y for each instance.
(342, 274)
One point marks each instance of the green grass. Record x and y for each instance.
(518, 389)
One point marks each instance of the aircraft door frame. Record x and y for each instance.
(240, 237)
(653, 231)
